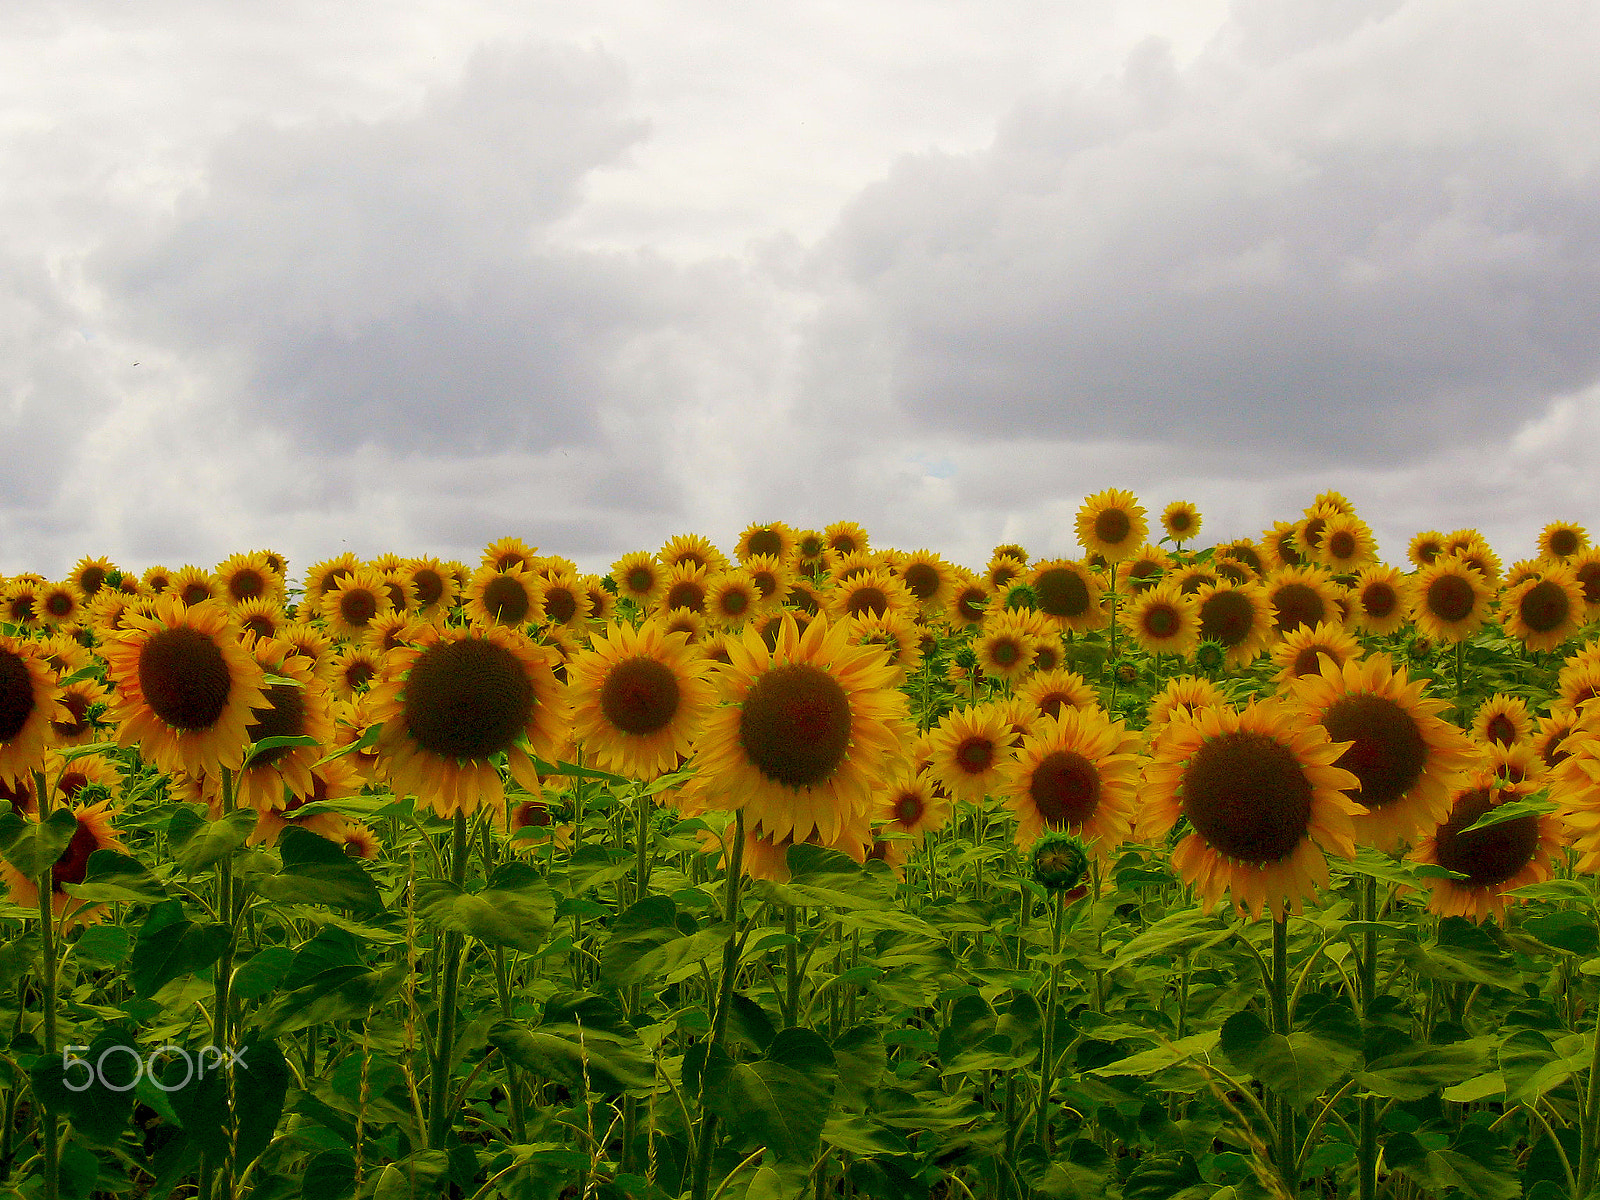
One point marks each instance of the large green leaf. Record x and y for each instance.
(198, 843)
(111, 877)
(651, 940)
(33, 848)
(1185, 931)
(337, 994)
(317, 871)
(516, 908)
(783, 1100)
(169, 948)
(582, 1040)
(1421, 1070)
(1298, 1067)
(1463, 953)
(1475, 1162)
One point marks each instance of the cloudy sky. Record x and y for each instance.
(414, 274)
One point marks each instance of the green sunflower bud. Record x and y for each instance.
(1059, 861)
(1210, 656)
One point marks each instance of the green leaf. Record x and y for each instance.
(103, 945)
(199, 843)
(582, 1037)
(516, 908)
(782, 1101)
(1463, 953)
(33, 848)
(1531, 806)
(1160, 1058)
(1184, 931)
(276, 742)
(1298, 1067)
(368, 739)
(1531, 1066)
(262, 972)
(111, 877)
(98, 1113)
(1421, 1070)
(317, 871)
(1474, 1163)
(1164, 1176)
(167, 950)
(271, 680)
(1573, 932)
(337, 994)
(260, 1084)
(860, 1136)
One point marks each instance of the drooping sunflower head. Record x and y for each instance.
(1264, 798)
(1181, 520)
(95, 831)
(1112, 524)
(1563, 540)
(186, 686)
(453, 703)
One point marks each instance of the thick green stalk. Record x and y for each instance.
(1367, 1151)
(1589, 1132)
(1041, 1120)
(47, 985)
(1280, 1025)
(705, 1141)
(439, 1082)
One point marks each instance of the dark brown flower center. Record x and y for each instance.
(1378, 600)
(970, 603)
(640, 695)
(357, 606)
(976, 754)
(246, 584)
(507, 600)
(1226, 617)
(1341, 545)
(1500, 729)
(1387, 752)
(1564, 543)
(765, 541)
(1544, 606)
(286, 717)
(1005, 652)
(1450, 598)
(1247, 796)
(1485, 856)
(1162, 621)
(91, 579)
(867, 599)
(687, 593)
(17, 700)
(908, 808)
(922, 579)
(640, 580)
(427, 585)
(1065, 788)
(467, 699)
(795, 724)
(561, 604)
(1061, 593)
(184, 677)
(73, 864)
(1298, 604)
(1113, 526)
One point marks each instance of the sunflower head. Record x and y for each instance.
(1563, 540)
(1058, 861)
(1181, 520)
(1112, 524)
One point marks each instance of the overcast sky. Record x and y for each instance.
(412, 275)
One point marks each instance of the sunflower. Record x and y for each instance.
(1112, 524)
(1236, 616)
(451, 704)
(1311, 527)
(1181, 520)
(353, 668)
(1192, 578)
(1005, 647)
(157, 578)
(1425, 547)
(639, 697)
(685, 621)
(1347, 545)
(394, 629)
(1003, 570)
(59, 605)
(1586, 570)
(1550, 736)
(1504, 720)
(910, 806)
(349, 606)
(1300, 596)
(1057, 690)
(1233, 571)
(1279, 542)
(806, 597)
(85, 701)
(249, 577)
(1076, 774)
(1069, 594)
(805, 729)
(1162, 621)
(896, 635)
(1379, 600)
(563, 601)
(302, 708)
(307, 641)
(195, 585)
(509, 595)
(693, 550)
(847, 566)
(533, 816)
(1563, 540)
(89, 575)
(766, 856)
(714, 648)
(261, 617)
(1477, 555)
(1545, 610)
(108, 612)
(1181, 700)
(30, 701)
(810, 551)
(21, 598)
(876, 591)
(640, 578)
(969, 601)
(771, 576)
(1515, 765)
(508, 552)
(1405, 756)
(95, 831)
(1300, 654)
(687, 586)
(1264, 798)
(430, 584)
(67, 779)
(1145, 569)
(186, 686)
(1577, 684)
(1495, 859)
(845, 537)
(773, 540)
(1522, 571)
(1450, 600)
(324, 576)
(1243, 550)
(928, 578)
(971, 747)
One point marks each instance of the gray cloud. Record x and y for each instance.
(1292, 243)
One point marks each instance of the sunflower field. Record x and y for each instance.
(1258, 869)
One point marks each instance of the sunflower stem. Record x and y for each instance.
(1041, 1120)
(224, 978)
(1280, 1025)
(47, 986)
(1367, 1151)
(706, 1138)
(642, 833)
(439, 1082)
(1589, 1131)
